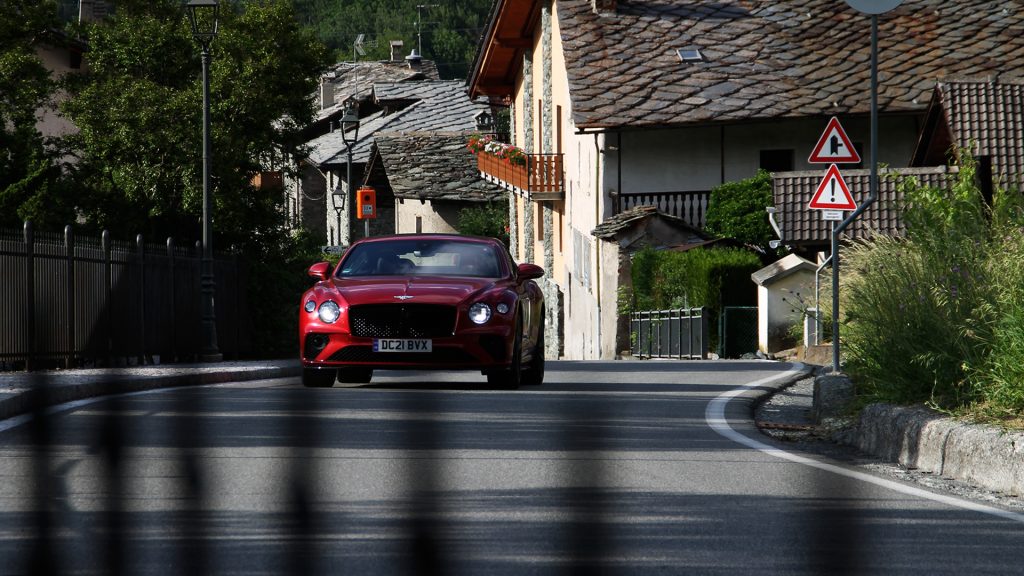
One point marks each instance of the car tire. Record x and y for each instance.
(534, 373)
(355, 375)
(318, 377)
(512, 376)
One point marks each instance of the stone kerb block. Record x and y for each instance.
(931, 450)
(986, 456)
(833, 394)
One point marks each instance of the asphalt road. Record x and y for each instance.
(608, 468)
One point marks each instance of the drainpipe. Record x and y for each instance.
(597, 216)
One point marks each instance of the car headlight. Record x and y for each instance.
(502, 308)
(479, 313)
(329, 312)
(310, 306)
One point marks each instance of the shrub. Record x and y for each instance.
(938, 316)
(737, 210)
(490, 220)
(710, 278)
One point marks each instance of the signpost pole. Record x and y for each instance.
(871, 196)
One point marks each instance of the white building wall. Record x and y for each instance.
(433, 218)
(702, 157)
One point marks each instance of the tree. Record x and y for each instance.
(30, 179)
(139, 111)
(737, 210)
(450, 31)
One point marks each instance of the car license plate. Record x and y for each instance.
(402, 345)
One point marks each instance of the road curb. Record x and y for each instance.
(919, 438)
(42, 390)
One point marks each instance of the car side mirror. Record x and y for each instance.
(319, 270)
(530, 272)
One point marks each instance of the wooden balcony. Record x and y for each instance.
(540, 179)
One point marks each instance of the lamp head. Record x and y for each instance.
(202, 15)
(350, 121)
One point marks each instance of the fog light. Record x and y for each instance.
(502, 308)
(315, 344)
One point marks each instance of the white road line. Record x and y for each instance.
(715, 417)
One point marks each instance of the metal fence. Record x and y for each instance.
(70, 301)
(681, 333)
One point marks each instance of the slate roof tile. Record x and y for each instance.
(434, 166)
(775, 59)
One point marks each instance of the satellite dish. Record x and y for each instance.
(873, 6)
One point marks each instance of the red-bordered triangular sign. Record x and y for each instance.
(834, 146)
(832, 193)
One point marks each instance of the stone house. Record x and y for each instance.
(657, 103)
(412, 105)
(425, 179)
(323, 171)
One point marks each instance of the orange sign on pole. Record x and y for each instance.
(366, 203)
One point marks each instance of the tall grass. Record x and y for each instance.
(938, 316)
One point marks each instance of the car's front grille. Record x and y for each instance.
(401, 320)
(438, 356)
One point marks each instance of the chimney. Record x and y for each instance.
(396, 47)
(414, 60)
(326, 93)
(603, 6)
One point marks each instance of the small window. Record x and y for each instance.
(419, 224)
(776, 160)
(689, 54)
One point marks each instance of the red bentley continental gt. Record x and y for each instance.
(424, 301)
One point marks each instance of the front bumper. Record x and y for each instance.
(483, 348)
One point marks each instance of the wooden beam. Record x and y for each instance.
(515, 43)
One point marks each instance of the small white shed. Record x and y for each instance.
(784, 288)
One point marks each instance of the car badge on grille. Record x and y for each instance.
(403, 297)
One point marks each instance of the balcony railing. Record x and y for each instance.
(541, 178)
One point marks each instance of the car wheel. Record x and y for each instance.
(318, 377)
(511, 377)
(534, 373)
(355, 375)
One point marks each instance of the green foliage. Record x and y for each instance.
(450, 31)
(139, 112)
(490, 219)
(937, 317)
(30, 179)
(737, 210)
(277, 280)
(712, 278)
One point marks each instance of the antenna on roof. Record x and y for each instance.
(419, 24)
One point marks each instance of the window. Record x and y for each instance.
(419, 224)
(581, 258)
(776, 160)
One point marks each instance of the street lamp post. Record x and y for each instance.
(202, 14)
(350, 123)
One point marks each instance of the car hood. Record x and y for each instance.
(410, 289)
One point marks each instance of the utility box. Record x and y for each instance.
(366, 203)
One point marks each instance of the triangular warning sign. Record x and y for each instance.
(834, 146)
(832, 193)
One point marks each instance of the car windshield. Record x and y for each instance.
(441, 257)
